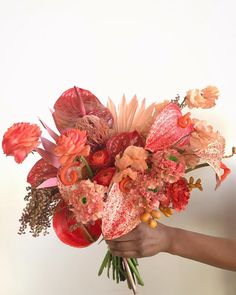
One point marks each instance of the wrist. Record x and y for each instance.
(171, 237)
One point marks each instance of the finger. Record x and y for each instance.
(126, 254)
(123, 246)
(131, 236)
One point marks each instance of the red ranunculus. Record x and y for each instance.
(21, 139)
(178, 193)
(99, 159)
(105, 176)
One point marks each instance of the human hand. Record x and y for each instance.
(142, 241)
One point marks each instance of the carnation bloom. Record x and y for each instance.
(169, 165)
(86, 199)
(70, 144)
(21, 139)
(205, 98)
(134, 157)
(178, 194)
(147, 188)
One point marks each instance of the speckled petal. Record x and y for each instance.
(165, 131)
(213, 154)
(121, 214)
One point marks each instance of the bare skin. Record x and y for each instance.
(144, 241)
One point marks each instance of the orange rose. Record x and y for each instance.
(70, 144)
(21, 139)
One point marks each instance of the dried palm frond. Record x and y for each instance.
(130, 116)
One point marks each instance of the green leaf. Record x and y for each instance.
(173, 158)
(155, 190)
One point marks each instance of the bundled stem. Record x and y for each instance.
(122, 269)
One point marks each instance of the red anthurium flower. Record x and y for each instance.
(71, 233)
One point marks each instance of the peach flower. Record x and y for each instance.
(123, 174)
(21, 139)
(203, 135)
(70, 144)
(134, 157)
(204, 98)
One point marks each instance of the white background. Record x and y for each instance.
(154, 49)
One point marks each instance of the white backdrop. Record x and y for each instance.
(154, 49)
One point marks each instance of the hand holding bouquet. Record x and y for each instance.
(107, 169)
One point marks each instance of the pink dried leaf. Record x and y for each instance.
(49, 157)
(48, 145)
(49, 130)
(48, 183)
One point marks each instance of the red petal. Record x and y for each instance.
(223, 176)
(40, 172)
(166, 131)
(68, 108)
(119, 142)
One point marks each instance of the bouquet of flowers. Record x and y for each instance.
(106, 169)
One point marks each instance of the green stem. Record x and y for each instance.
(134, 269)
(197, 167)
(104, 263)
(90, 172)
(117, 269)
(109, 264)
(113, 267)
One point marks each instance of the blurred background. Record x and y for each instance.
(154, 49)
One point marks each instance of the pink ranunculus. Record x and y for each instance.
(205, 98)
(70, 144)
(21, 139)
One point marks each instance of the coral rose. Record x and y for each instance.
(70, 144)
(21, 139)
(204, 98)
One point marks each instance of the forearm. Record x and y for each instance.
(214, 251)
